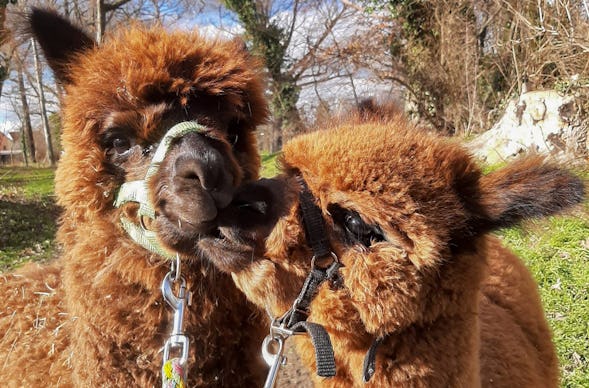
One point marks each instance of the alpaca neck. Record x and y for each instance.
(443, 353)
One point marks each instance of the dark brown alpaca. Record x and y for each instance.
(96, 316)
(408, 216)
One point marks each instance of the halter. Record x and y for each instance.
(173, 368)
(294, 321)
(137, 191)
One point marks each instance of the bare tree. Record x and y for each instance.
(5, 49)
(44, 118)
(27, 127)
(273, 29)
(459, 61)
(101, 10)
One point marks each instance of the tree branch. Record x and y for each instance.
(115, 5)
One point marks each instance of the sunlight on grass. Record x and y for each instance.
(269, 165)
(29, 180)
(28, 216)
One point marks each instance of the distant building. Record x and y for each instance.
(11, 147)
(10, 150)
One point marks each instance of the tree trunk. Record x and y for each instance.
(23, 145)
(100, 20)
(5, 65)
(46, 130)
(287, 120)
(26, 117)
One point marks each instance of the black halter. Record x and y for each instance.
(316, 236)
(295, 319)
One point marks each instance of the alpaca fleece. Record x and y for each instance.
(408, 215)
(96, 317)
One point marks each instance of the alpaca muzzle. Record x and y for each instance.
(137, 191)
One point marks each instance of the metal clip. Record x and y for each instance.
(274, 359)
(178, 303)
(273, 348)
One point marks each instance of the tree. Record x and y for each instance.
(270, 29)
(44, 118)
(27, 127)
(101, 10)
(460, 61)
(4, 54)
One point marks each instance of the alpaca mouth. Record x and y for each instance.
(226, 250)
(231, 246)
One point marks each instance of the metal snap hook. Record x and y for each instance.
(175, 269)
(273, 357)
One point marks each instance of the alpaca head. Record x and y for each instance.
(121, 97)
(404, 213)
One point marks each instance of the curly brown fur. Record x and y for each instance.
(96, 317)
(408, 215)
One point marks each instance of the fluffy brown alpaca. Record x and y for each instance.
(96, 316)
(408, 215)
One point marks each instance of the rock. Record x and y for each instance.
(539, 121)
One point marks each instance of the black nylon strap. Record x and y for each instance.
(324, 357)
(370, 361)
(315, 232)
(296, 318)
(303, 301)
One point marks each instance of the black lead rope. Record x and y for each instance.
(315, 232)
(295, 320)
(370, 361)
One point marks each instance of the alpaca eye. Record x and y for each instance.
(121, 145)
(353, 228)
(360, 231)
(118, 144)
(232, 138)
(233, 132)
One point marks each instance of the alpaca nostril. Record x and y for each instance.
(195, 173)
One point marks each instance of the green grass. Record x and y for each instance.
(28, 216)
(32, 182)
(555, 249)
(269, 165)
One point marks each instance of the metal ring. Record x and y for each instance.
(175, 269)
(267, 353)
(333, 255)
(142, 222)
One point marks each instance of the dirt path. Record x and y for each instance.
(293, 374)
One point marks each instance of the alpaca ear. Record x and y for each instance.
(59, 39)
(527, 188)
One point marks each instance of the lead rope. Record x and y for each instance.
(174, 368)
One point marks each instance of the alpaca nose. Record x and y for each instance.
(203, 168)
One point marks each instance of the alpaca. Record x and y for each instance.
(96, 317)
(421, 283)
